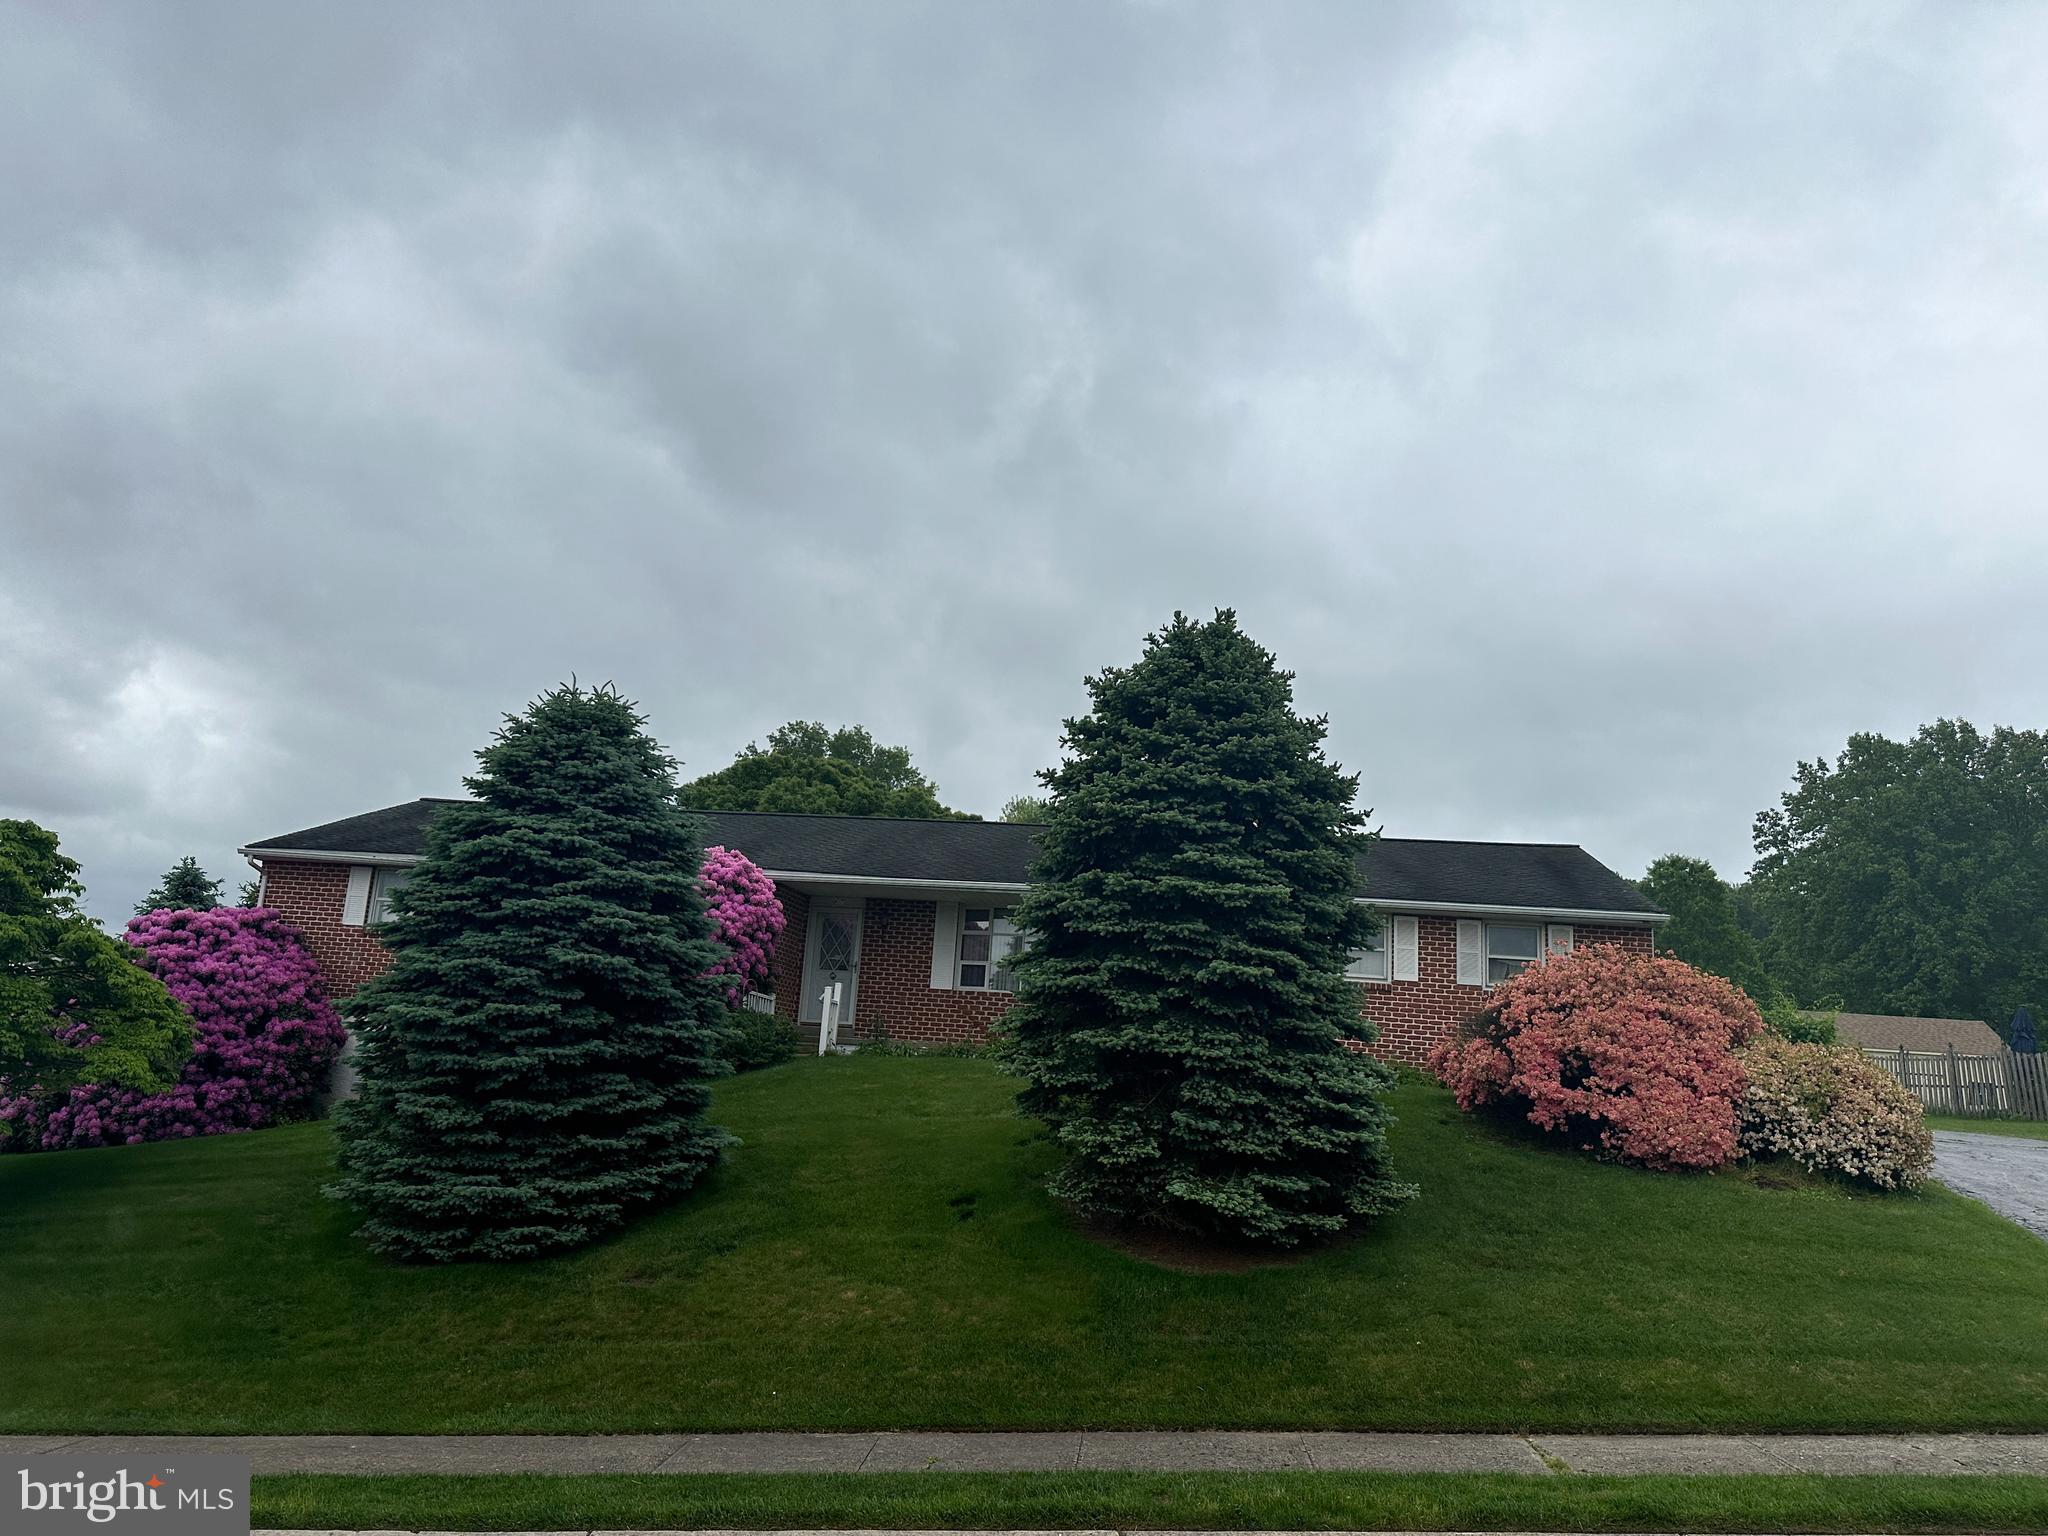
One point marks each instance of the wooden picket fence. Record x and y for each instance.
(2006, 1086)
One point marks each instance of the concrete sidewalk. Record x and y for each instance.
(1087, 1450)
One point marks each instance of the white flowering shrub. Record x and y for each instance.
(1832, 1110)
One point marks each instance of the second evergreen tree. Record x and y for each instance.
(1183, 1004)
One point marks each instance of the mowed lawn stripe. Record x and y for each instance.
(880, 1254)
(1283, 1501)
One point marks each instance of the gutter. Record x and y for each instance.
(1389, 903)
(322, 856)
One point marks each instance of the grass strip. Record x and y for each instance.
(2032, 1130)
(1361, 1501)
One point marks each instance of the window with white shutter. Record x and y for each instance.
(1471, 953)
(1407, 949)
(355, 901)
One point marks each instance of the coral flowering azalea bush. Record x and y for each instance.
(1833, 1110)
(264, 1034)
(748, 917)
(1633, 1055)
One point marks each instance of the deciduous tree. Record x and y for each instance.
(805, 767)
(73, 1008)
(1912, 876)
(1704, 930)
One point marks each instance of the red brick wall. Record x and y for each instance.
(1413, 1015)
(896, 998)
(311, 896)
(786, 970)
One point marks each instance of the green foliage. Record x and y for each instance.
(1912, 877)
(61, 975)
(249, 893)
(534, 1067)
(1705, 931)
(1324, 1500)
(1833, 1110)
(945, 1048)
(808, 768)
(1802, 1026)
(1032, 808)
(754, 1040)
(1182, 1000)
(185, 887)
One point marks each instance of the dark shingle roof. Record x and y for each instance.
(397, 829)
(1552, 877)
(1557, 877)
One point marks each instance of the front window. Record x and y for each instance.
(1511, 947)
(1370, 963)
(383, 882)
(987, 940)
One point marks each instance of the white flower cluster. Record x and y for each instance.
(1832, 1110)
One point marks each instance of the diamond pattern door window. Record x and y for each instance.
(835, 944)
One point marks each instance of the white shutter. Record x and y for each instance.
(355, 905)
(1407, 955)
(1471, 953)
(945, 944)
(1559, 940)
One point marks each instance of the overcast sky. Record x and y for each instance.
(1600, 407)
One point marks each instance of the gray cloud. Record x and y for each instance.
(1599, 407)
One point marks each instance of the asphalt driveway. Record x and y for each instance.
(2008, 1173)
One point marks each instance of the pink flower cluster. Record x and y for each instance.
(1632, 1054)
(264, 1034)
(748, 915)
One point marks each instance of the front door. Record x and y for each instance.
(831, 954)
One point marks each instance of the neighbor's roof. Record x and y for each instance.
(1887, 1032)
(1549, 877)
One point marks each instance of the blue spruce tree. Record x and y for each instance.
(533, 1069)
(1182, 1001)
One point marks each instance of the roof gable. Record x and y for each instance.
(1548, 877)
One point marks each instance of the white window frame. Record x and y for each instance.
(1520, 962)
(1002, 925)
(384, 879)
(1384, 942)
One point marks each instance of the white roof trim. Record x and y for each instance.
(322, 856)
(933, 885)
(1487, 909)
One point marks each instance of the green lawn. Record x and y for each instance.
(879, 1253)
(2033, 1130)
(1282, 1501)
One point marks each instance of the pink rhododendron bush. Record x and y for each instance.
(1631, 1055)
(264, 1034)
(749, 918)
(1832, 1110)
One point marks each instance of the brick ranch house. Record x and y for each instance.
(912, 917)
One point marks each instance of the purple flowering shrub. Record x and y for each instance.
(748, 917)
(264, 1034)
